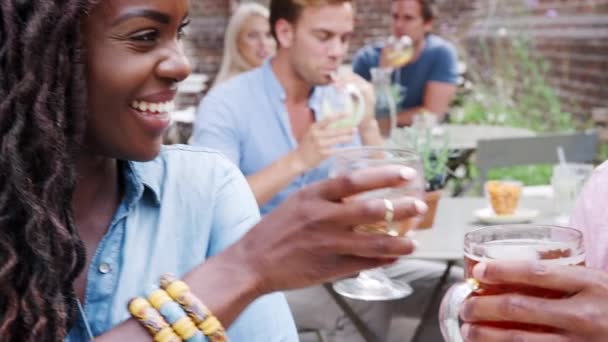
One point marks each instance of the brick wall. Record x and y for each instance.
(210, 17)
(571, 34)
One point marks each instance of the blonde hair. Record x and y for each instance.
(233, 62)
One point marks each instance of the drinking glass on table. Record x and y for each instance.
(546, 244)
(567, 182)
(374, 284)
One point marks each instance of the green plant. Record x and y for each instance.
(510, 87)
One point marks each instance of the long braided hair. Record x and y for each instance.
(42, 109)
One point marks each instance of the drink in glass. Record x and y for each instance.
(374, 284)
(567, 182)
(544, 244)
(395, 228)
(504, 196)
(344, 100)
(399, 51)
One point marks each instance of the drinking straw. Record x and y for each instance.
(561, 156)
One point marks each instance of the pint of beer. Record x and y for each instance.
(546, 244)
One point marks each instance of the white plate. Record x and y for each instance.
(521, 215)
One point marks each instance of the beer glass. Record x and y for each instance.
(374, 284)
(545, 244)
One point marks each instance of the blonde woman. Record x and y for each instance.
(248, 41)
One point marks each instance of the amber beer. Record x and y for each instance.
(545, 251)
(395, 228)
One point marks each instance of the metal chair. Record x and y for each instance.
(580, 147)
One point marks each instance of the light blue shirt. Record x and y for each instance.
(178, 210)
(246, 119)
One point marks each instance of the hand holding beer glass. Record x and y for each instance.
(374, 284)
(548, 245)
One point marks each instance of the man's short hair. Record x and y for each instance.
(429, 9)
(291, 10)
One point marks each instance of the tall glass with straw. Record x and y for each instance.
(567, 182)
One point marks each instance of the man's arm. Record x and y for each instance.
(267, 182)
(363, 63)
(437, 99)
(218, 127)
(317, 145)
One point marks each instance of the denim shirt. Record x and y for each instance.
(246, 119)
(178, 210)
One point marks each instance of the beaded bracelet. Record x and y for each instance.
(175, 315)
(196, 310)
(151, 319)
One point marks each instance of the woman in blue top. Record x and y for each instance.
(93, 209)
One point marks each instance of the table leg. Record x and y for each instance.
(428, 312)
(361, 327)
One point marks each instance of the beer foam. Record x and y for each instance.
(521, 250)
(511, 252)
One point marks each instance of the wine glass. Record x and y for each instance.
(399, 51)
(344, 100)
(374, 284)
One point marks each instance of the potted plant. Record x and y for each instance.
(432, 146)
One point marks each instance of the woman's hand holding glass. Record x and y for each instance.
(311, 239)
(581, 316)
(374, 284)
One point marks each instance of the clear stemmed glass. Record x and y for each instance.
(346, 100)
(400, 51)
(374, 284)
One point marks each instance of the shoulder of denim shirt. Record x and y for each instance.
(183, 163)
(246, 81)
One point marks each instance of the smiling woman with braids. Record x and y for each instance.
(94, 210)
(41, 116)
